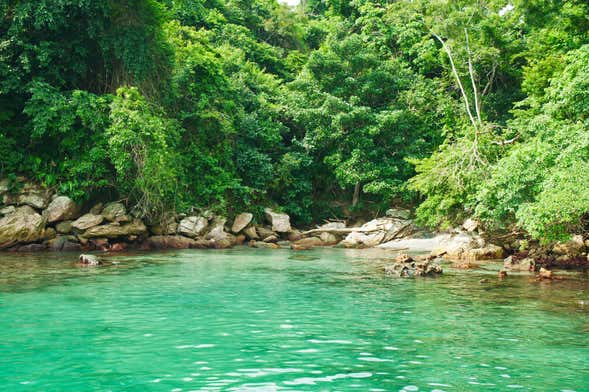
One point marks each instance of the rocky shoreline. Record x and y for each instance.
(35, 219)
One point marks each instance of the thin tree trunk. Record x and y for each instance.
(356, 197)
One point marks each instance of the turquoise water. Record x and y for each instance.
(267, 320)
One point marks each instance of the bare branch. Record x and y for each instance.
(455, 72)
(474, 85)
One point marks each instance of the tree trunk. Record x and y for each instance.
(356, 197)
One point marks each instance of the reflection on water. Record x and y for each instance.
(268, 320)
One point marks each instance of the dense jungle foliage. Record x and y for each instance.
(330, 108)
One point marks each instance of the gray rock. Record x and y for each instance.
(513, 264)
(217, 230)
(87, 221)
(241, 221)
(470, 225)
(60, 209)
(115, 212)
(574, 247)
(280, 222)
(377, 231)
(193, 226)
(328, 238)
(24, 225)
(271, 238)
(64, 227)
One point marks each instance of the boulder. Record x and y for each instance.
(363, 240)
(488, 252)
(271, 238)
(308, 243)
(23, 226)
(328, 238)
(61, 208)
(193, 226)
(251, 233)
(265, 232)
(87, 221)
(64, 227)
(377, 231)
(407, 267)
(241, 221)
(574, 247)
(280, 222)
(456, 247)
(516, 264)
(260, 244)
(470, 225)
(240, 239)
(545, 274)
(217, 234)
(398, 213)
(115, 212)
(115, 230)
(294, 235)
(89, 260)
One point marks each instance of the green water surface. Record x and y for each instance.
(274, 320)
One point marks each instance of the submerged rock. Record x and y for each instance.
(407, 267)
(89, 260)
(261, 244)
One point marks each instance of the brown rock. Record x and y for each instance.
(241, 221)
